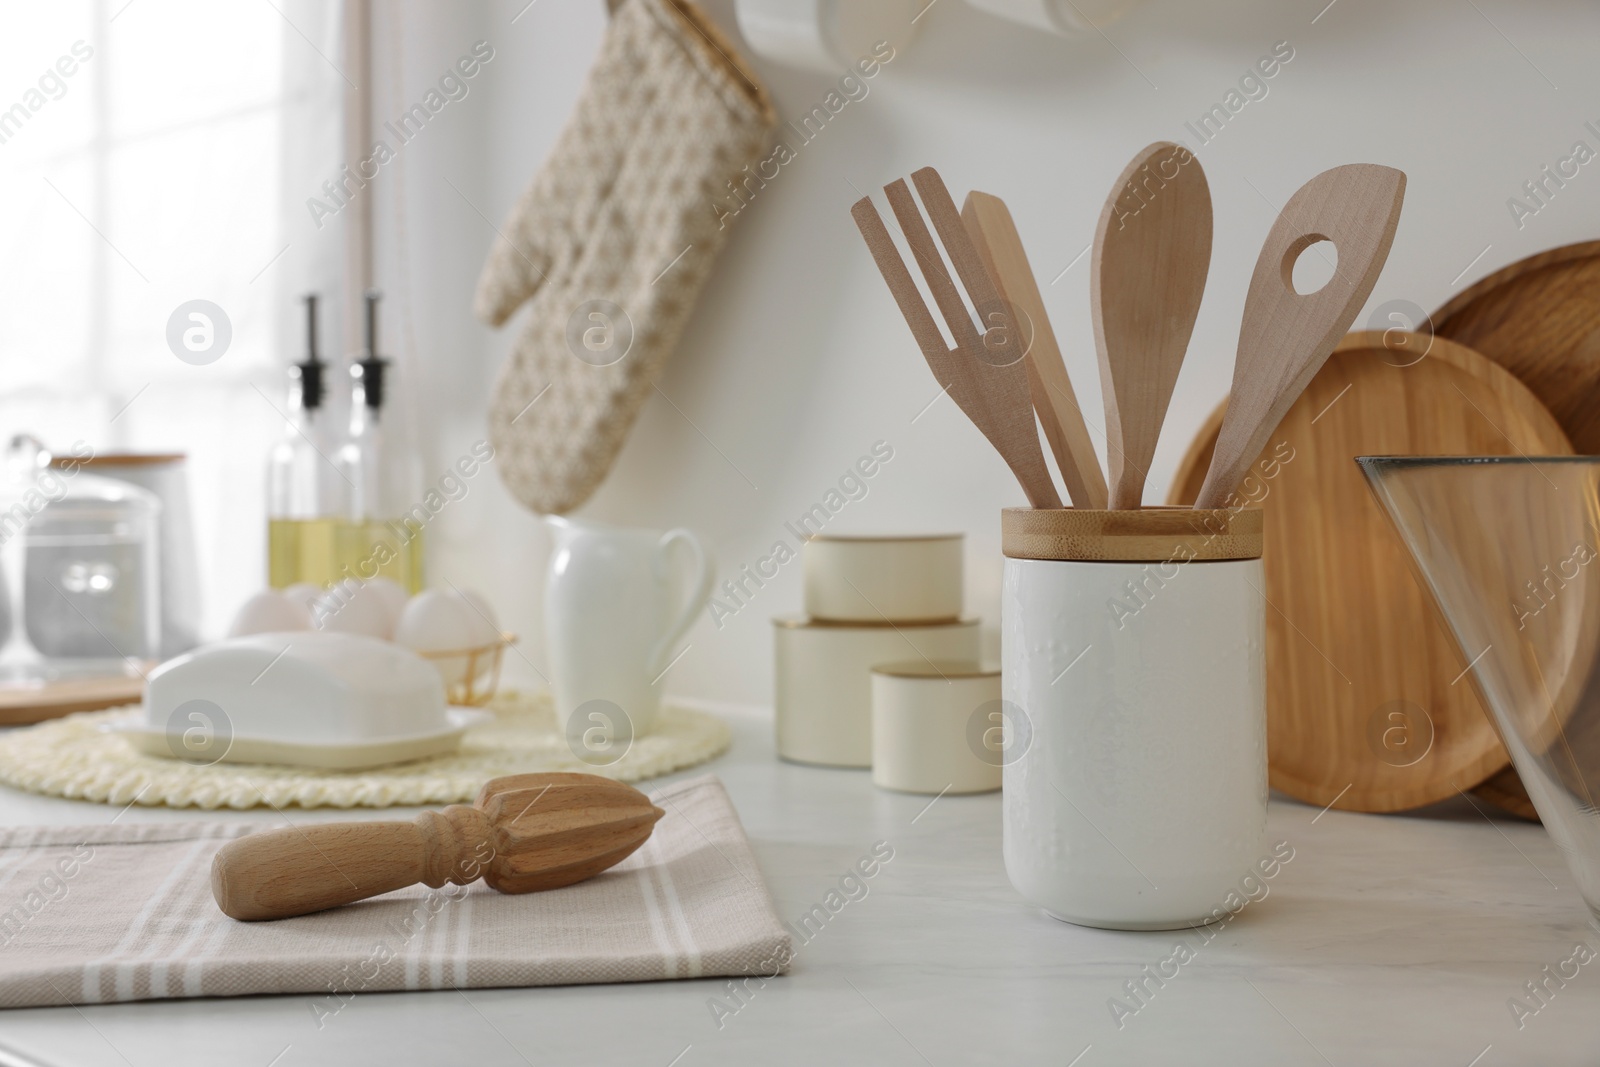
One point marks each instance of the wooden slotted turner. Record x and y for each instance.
(988, 220)
(984, 373)
(1286, 337)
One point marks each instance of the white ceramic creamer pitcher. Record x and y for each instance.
(614, 612)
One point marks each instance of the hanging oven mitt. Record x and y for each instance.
(612, 242)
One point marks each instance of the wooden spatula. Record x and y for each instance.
(1286, 337)
(994, 234)
(525, 832)
(984, 372)
(1152, 251)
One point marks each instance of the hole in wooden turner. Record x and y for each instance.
(1310, 263)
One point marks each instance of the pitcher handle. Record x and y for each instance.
(697, 599)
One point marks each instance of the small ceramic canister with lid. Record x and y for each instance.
(823, 683)
(1134, 683)
(912, 578)
(935, 727)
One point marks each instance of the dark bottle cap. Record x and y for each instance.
(370, 367)
(308, 373)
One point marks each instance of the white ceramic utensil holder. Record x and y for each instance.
(935, 727)
(823, 686)
(1134, 687)
(877, 579)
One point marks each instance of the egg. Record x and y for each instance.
(392, 595)
(439, 620)
(486, 632)
(304, 593)
(269, 612)
(485, 626)
(350, 608)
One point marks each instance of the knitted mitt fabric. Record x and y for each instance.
(612, 242)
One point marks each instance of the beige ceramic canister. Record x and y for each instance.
(937, 727)
(824, 681)
(912, 578)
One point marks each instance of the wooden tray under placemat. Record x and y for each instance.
(1367, 707)
(19, 707)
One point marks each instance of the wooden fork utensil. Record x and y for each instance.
(984, 373)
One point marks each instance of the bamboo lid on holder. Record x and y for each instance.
(1148, 535)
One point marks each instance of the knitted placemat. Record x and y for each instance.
(74, 758)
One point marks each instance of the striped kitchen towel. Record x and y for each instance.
(108, 913)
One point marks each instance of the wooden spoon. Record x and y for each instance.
(1286, 337)
(984, 372)
(995, 235)
(1152, 251)
(526, 832)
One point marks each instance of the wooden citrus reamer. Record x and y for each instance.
(524, 833)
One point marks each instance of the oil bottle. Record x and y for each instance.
(377, 535)
(302, 522)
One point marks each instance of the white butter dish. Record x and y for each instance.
(357, 756)
(334, 701)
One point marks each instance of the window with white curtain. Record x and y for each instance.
(154, 152)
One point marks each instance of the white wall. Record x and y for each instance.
(796, 360)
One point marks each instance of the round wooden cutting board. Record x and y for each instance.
(1368, 708)
(1506, 791)
(19, 707)
(1539, 318)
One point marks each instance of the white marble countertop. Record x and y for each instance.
(1386, 939)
